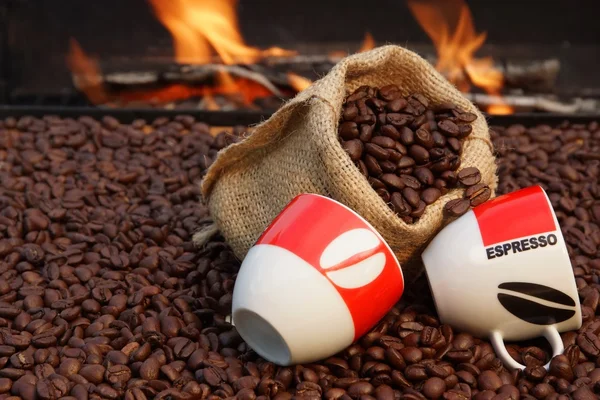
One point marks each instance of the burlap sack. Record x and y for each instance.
(297, 151)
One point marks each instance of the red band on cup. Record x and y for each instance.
(328, 220)
(528, 206)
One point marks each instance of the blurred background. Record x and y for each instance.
(169, 53)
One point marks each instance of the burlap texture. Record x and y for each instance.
(297, 151)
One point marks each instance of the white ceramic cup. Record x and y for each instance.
(502, 271)
(317, 279)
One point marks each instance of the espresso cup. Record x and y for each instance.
(502, 271)
(318, 278)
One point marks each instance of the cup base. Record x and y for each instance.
(265, 339)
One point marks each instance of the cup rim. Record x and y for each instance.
(385, 243)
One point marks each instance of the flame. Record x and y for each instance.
(200, 26)
(456, 48)
(86, 74)
(299, 83)
(368, 43)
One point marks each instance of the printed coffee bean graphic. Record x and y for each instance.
(532, 311)
(362, 267)
(539, 291)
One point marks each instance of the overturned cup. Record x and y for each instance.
(317, 279)
(502, 271)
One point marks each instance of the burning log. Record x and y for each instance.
(536, 76)
(546, 103)
(188, 74)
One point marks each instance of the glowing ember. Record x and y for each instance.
(200, 26)
(456, 48)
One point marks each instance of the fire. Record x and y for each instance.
(200, 26)
(86, 73)
(88, 78)
(204, 31)
(368, 43)
(299, 83)
(456, 48)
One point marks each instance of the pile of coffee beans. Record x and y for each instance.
(409, 150)
(103, 295)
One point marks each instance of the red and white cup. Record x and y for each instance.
(317, 279)
(502, 271)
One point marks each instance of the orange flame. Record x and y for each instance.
(86, 71)
(368, 43)
(299, 83)
(456, 48)
(199, 26)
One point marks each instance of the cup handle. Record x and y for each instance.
(550, 333)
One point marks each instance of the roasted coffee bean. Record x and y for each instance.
(377, 152)
(348, 130)
(424, 138)
(419, 154)
(449, 128)
(384, 142)
(114, 300)
(401, 206)
(411, 196)
(457, 207)
(392, 181)
(434, 388)
(407, 134)
(430, 195)
(424, 175)
(469, 176)
(391, 132)
(478, 194)
(354, 148)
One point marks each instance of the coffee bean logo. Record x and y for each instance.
(525, 302)
(353, 259)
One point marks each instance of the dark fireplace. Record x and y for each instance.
(122, 54)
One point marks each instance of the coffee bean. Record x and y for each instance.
(411, 196)
(354, 148)
(398, 120)
(430, 195)
(100, 274)
(391, 132)
(393, 182)
(478, 194)
(377, 152)
(424, 138)
(406, 162)
(434, 388)
(469, 176)
(419, 154)
(372, 166)
(396, 105)
(401, 206)
(416, 372)
(489, 380)
(457, 207)
(348, 130)
(449, 128)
